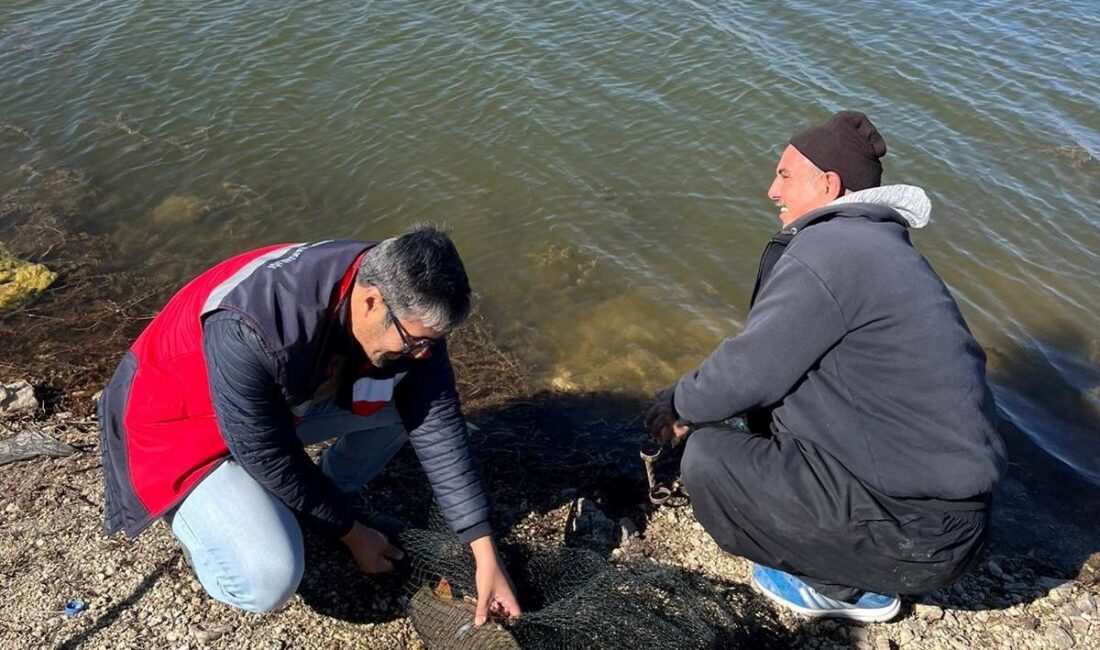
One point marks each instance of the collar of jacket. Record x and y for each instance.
(778, 244)
(870, 211)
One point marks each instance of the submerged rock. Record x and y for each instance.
(178, 209)
(563, 384)
(649, 350)
(20, 280)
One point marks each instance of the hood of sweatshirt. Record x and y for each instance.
(909, 201)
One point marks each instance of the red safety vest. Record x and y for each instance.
(172, 438)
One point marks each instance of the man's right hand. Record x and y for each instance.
(372, 551)
(661, 420)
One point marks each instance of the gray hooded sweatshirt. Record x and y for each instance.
(857, 347)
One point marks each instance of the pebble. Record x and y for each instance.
(207, 635)
(1062, 591)
(1086, 603)
(995, 569)
(1059, 637)
(929, 612)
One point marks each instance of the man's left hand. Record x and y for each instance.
(495, 594)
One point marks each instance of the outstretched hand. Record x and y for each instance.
(495, 595)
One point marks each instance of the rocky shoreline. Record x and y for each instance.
(1038, 585)
(143, 595)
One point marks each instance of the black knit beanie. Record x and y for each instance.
(847, 144)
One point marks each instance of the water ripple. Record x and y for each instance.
(643, 135)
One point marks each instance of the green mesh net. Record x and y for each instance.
(572, 598)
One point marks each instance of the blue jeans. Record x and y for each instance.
(244, 544)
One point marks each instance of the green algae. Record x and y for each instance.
(19, 280)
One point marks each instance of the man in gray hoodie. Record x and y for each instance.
(871, 452)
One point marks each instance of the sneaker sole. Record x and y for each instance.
(861, 615)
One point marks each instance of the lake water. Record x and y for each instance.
(603, 166)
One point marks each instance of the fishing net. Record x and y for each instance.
(571, 597)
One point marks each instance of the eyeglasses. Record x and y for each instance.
(413, 347)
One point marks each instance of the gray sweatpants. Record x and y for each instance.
(783, 503)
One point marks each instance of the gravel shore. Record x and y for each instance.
(143, 595)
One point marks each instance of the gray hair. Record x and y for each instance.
(420, 276)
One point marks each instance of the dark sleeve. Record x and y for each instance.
(428, 403)
(792, 325)
(258, 428)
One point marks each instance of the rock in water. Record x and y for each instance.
(178, 209)
(20, 280)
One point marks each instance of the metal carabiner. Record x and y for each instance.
(650, 451)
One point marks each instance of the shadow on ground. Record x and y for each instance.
(334, 586)
(540, 452)
(1043, 529)
(115, 610)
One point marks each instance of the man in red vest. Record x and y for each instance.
(206, 419)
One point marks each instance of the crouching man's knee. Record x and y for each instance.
(268, 588)
(275, 588)
(701, 467)
(259, 585)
